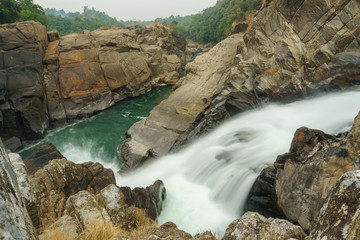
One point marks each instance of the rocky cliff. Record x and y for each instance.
(292, 49)
(46, 80)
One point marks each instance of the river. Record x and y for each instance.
(208, 180)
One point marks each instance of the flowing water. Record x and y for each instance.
(208, 181)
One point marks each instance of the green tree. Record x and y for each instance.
(9, 11)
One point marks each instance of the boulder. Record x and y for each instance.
(41, 156)
(15, 221)
(169, 122)
(13, 144)
(150, 198)
(22, 94)
(53, 184)
(255, 226)
(339, 217)
(305, 175)
(262, 196)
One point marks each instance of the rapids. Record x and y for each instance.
(208, 181)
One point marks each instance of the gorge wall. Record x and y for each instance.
(292, 49)
(47, 80)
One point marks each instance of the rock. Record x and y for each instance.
(13, 144)
(53, 184)
(41, 156)
(15, 221)
(305, 175)
(292, 49)
(204, 236)
(262, 196)
(123, 62)
(53, 36)
(24, 187)
(166, 230)
(169, 122)
(339, 217)
(150, 198)
(23, 106)
(66, 225)
(255, 226)
(83, 207)
(114, 203)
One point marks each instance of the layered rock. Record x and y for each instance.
(15, 222)
(23, 110)
(292, 49)
(169, 122)
(46, 80)
(255, 226)
(340, 216)
(86, 73)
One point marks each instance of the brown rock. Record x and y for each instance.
(255, 226)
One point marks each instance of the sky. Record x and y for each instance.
(132, 9)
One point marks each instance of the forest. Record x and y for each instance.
(211, 25)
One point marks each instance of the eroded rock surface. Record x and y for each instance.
(340, 216)
(86, 73)
(170, 121)
(292, 49)
(305, 175)
(23, 110)
(15, 222)
(255, 226)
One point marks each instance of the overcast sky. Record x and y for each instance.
(132, 9)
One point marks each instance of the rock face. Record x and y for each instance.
(305, 175)
(86, 73)
(340, 216)
(23, 110)
(255, 226)
(53, 184)
(291, 49)
(150, 198)
(46, 80)
(15, 222)
(169, 122)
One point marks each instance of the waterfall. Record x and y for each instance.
(208, 181)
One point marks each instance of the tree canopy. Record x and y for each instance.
(21, 10)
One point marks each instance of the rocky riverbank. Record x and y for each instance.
(316, 185)
(47, 80)
(291, 50)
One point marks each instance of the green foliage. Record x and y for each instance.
(67, 23)
(21, 10)
(214, 23)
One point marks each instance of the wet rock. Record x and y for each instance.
(339, 217)
(41, 156)
(15, 221)
(13, 144)
(255, 226)
(305, 175)
(150, 198)
(262, 196)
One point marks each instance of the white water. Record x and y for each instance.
(208, 181)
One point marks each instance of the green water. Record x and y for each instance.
(97, 138)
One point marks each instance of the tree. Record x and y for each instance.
(9, 11)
